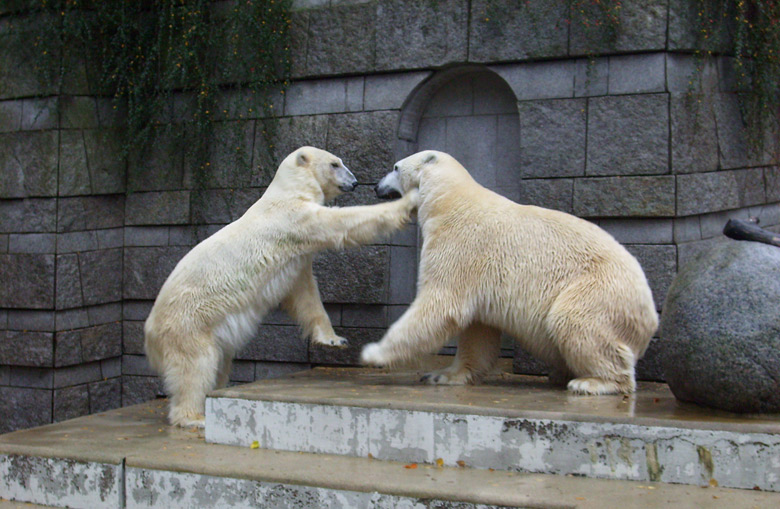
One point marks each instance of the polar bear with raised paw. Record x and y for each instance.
(212, 302)
(562, 287)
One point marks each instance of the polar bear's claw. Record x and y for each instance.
(334, 342)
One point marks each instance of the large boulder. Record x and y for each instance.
(721, 328)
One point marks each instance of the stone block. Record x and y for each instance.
(29, 162)
(90, 213)
(298, 38)
(88, 344)
(625, 197)
(264, 370)
(18, 78)
(699, 193)
(694, 134)
(552, 138)
(278, 343)
(403, 274)
(147, 268)
(417, 35)
(509, 30)
(181, 235)
(101, 276)
(28, 281)
(688, 74)
(357, 337)
(136, 310)
(373, 157)
(651, 366)
(292, 133)
(31, 215)
(354, 276)
(105, 395)
(133, 337)
(628, 135)
(140, 236)
(230, 159)
(660, 265)
(28, 320)
(36, 378)
(136, 365)
(75, 242)
(772, 178)
(137, 389)
(68, 282)
(10, 116)
(74, 175)
(364, 315)
(636, 74)
(27, 348)
(390, 91)
(71, 319)
(685, 26)
(640, 231)
(3, 243)
(220, 206)
(71, 402)
(316, 97)
(591, 77)
(733, 142)
(641, 27)
(712, 224)
(242, 371)
(105, 313)
(77, 375)
(539, 80)
(686, 229)
(168, 207)
(554, 194)
(5, 375)
(24, 408)
(160, 166)
(111, 368)
(32, 243)
(329, 50)
(40, 113)
(78, 112)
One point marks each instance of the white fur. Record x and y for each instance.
(561, 286)
(214, 299)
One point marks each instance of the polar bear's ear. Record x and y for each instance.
(302, 159)
(430, 159)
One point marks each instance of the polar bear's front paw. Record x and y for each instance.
(332, 341)
(372, 355)
(446, 377)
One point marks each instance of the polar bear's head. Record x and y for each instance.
(408, 173)
(313, 166)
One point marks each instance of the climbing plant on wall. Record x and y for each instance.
(173, 67)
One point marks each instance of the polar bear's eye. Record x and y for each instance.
(334, 165)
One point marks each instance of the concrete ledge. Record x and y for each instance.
(510, 423)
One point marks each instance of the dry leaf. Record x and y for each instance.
(411, 466)
(439, 462)
(461, 463)
(713, 483)
(254, 445)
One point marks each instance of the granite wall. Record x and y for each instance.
(87, 238)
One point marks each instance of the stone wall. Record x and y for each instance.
(87, 238)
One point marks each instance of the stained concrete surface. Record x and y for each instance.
(139, 436)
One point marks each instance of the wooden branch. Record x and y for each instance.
(738, 229)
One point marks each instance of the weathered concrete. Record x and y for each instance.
(510, 423)
(171, 467)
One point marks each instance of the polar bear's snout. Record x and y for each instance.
(389, 188)
(346, 180)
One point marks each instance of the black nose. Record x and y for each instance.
(354, 185)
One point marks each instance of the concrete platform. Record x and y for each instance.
(130, 458)
(511, 422)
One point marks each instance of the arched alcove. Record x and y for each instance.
(471, 113)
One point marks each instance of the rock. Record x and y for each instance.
(721, 328)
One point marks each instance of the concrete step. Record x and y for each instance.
(509, 423)
(130, 458)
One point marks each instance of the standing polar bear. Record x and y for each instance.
(562, 287)
(212, 302)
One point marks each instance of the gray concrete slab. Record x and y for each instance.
(169, 457)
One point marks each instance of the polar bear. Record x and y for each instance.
(563, 288)
(212, 302)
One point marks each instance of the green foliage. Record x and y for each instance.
(175, 68)
(748, 30)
